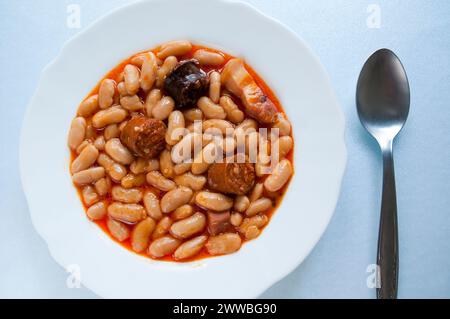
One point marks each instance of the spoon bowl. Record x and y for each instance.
(383, 97)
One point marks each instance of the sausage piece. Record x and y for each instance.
(231, 178)
(186, 84)
(144, 137)
(238, 81)
(219, 223)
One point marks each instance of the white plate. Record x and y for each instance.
(289, 68)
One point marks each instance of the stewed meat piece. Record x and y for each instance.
(144, 137)
(186, 84)
(231, 178)
(219, 223)
(238, 81)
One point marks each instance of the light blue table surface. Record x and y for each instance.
(33, 32)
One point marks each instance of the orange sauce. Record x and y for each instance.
(114, 74)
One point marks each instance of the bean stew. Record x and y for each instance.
(181, 153)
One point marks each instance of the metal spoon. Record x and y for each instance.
(382, 100)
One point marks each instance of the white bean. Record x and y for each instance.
(156, 179)
(129, 196)
(90, 197)
(88, 106)
(90, 132)
(151, 203)
(106, 93)
(88, 176)
(194, 114)
(210, 109)
(195, 182)
(169, 64)
(251, 232)
(140, 236)
(86, 158)
(118, 230)
(122, 125)
(182, 168)
(152, 99)
(175, 198)
(241, 203)
(214, 86)
(119, 77)
(99, 143)
(247, 126)
(115, 170)
(127, 213)
(212, 126)
(97, 211)
(261, 169)
(148, 71)
(122, 89)
(259, 221)
(204, 159)
(174, 127)
(177, 48)
(111, 131)
(188, 227)
(118, 152)
(131, 181)
(236, 219)
(77, 132)
(165, 164)
(141, 165)
(112, 115)
(138, 60)
(205, 57)
(182, 151)
(182, 212)
(213, 201)
(259, 206)
(131, 103)
(131, 77)
(285, 145)
(162, 228)
(81, 147)
(228, 145)
(223, 244)
(257, 192)
(282, 124)
(102, 186)
(163, 246)
(163, 108)
(190, 248)
(234, 114)
(279, 177)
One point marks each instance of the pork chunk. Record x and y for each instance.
(238, 81)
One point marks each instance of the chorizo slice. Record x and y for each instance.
(144, 137)
(238, 81)
(231, 178)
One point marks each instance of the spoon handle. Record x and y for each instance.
(388, 236)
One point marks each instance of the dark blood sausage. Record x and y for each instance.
(231, 178)
(238, 81)
(186, 84)
(144, 137)
(219, 223)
